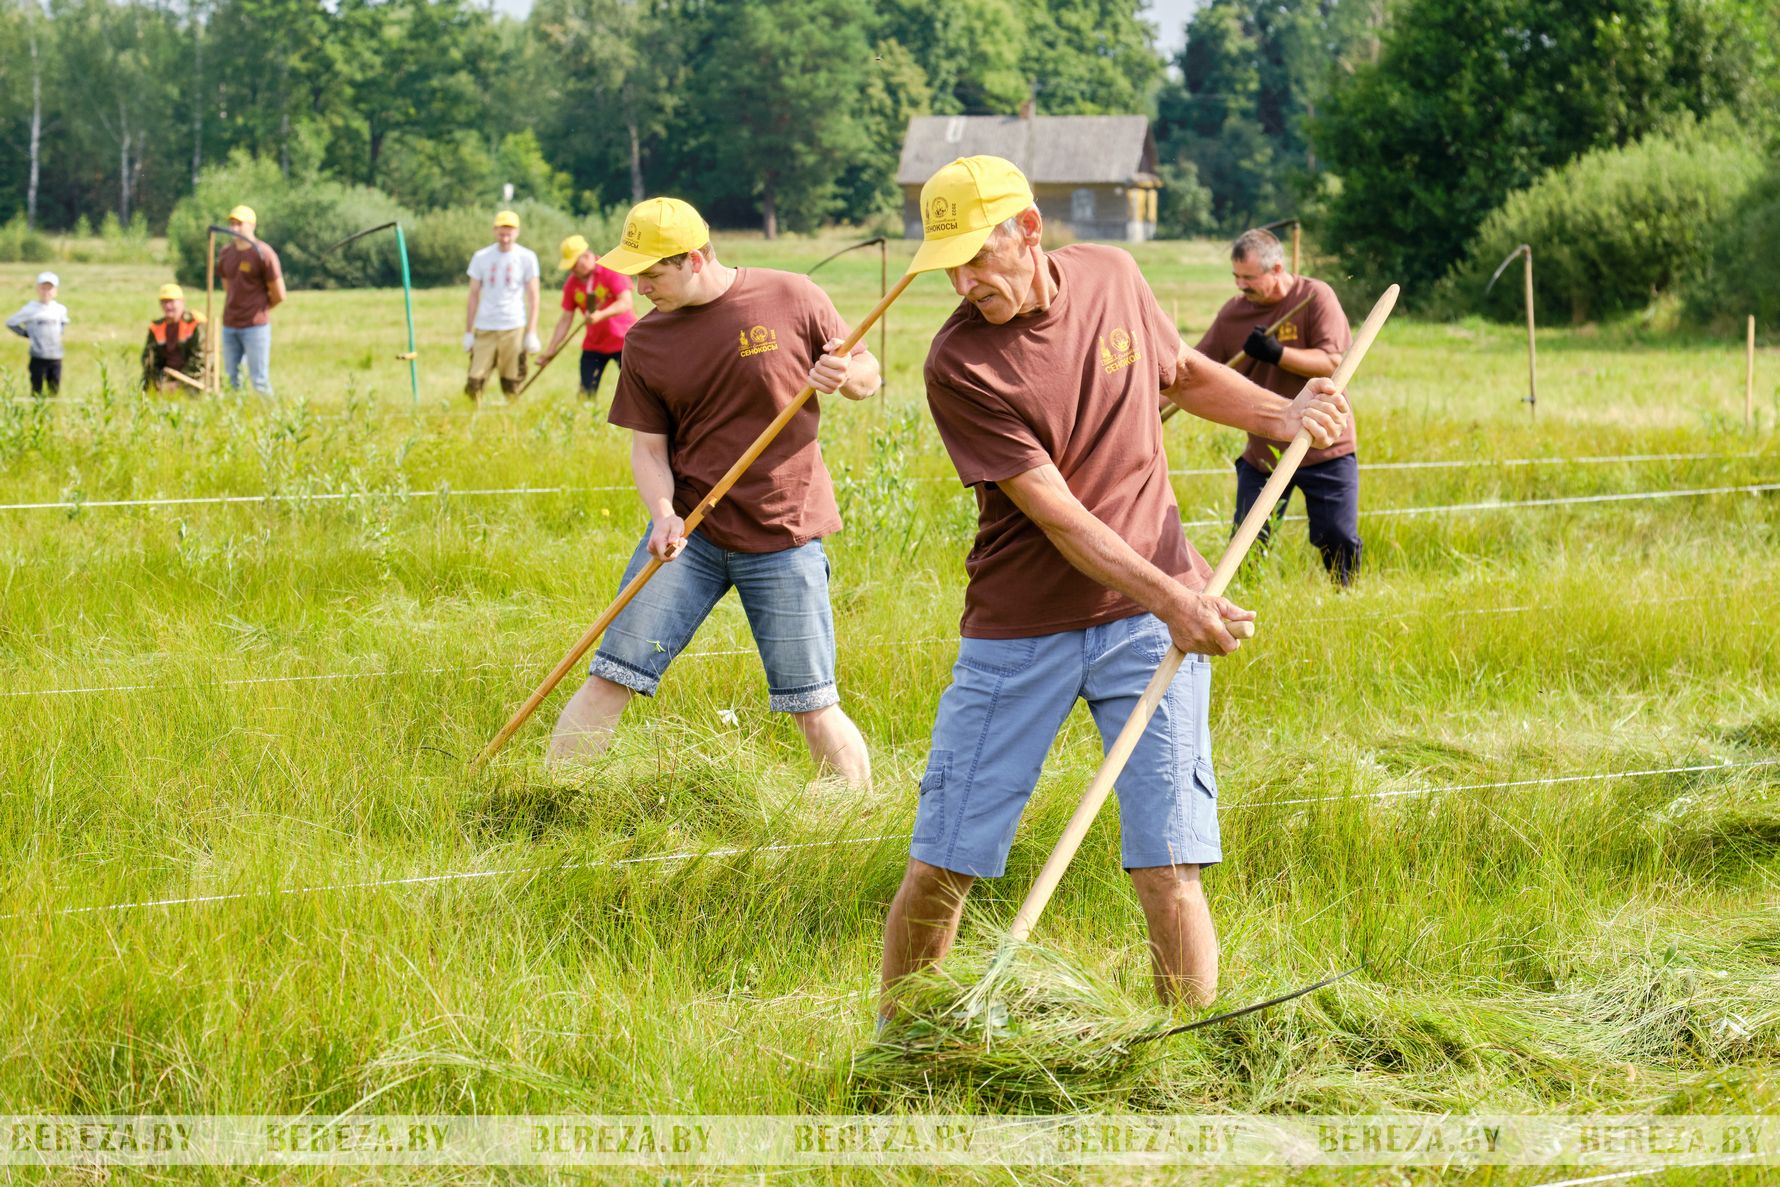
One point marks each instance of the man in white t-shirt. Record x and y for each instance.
(501, 325)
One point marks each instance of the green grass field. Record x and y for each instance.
(247, 699)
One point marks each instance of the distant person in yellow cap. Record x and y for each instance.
(253, 283)
(501, 323)
(175, 342)
(1044, 384)
(723, 353)
(605, 296)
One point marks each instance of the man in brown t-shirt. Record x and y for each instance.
(1043, 385)
(253, 282)
(724, 351)
(1307, 344)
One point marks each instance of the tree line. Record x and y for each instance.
(1392, 127)
(790, 113)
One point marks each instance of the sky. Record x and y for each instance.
(1169, 17)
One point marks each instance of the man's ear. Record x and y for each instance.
(1032, 227)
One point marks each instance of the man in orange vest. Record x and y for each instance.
(175, 344)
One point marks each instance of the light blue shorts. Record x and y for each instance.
(996, 722)
(785, 595)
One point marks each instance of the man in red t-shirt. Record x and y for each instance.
(604, 295)
(1043, 385)
(1306, 344)
(722, 354)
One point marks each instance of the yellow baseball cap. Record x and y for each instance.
(572, 247)
(962, 204)
(171, 292)
(653, 230)
(243, 214)
(506, 218)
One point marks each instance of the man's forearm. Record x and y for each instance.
(654, 478)
(1214, 392)
(1088, 544)
(560, 333)
(1308, 362)
(1103, 554)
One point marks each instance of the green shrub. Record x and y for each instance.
(1613, 228)
(442, 241)
(1737, 275)
(20, 244)
(302, 218)
(299, 218)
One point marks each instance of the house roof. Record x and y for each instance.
(1049, 149)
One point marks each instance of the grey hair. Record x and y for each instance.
(1011, 226)
(1259, 247)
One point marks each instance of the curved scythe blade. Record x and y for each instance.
(843, 251)
(1503, 266)
(225, 231)
(1278, 222)
(356, 235)
(1252, 1009)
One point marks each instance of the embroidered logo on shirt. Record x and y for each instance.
(757, 340)
(1120, 353)
(1287, 332)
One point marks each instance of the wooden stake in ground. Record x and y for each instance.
(1239, 358)
(1525, 251)
(884, 322)
(1121, 749)
(1296, 236)
(704, 508)
(214, 375)
(1532, 348)
(1749, 379)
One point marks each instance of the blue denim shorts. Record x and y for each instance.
(997, 720)
(785, 595)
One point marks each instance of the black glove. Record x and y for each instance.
(1261, 348)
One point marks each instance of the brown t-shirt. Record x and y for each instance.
(1320, 325)
(710, 377)
(248, 273)
(1076, 386)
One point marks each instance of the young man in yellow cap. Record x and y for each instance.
(253, 283)
(175, 343)
(1044, 384)
(501, 322)
(605, 297)
(724, 352)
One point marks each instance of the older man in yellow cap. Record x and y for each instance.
(173, 354)
(1044, 384)
(604, 296)
(501, 322)
(253, 284)
(723, 353)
